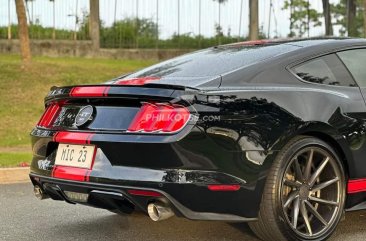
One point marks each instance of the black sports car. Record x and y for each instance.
(266, 132)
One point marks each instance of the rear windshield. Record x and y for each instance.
(213, 61)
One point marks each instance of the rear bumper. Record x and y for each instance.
(181, 168)
(116, 197)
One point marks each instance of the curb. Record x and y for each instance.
(14, 175)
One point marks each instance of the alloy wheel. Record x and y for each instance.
(311, 192)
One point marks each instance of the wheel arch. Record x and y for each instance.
(331, 141)
(329, 135)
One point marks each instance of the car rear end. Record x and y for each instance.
(125, 147)
(160, 141)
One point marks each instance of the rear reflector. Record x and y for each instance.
(356, 185)
(89, 91)
(160, 117)
(226, 188)
(144, 193)
(49, 115)
(136, 81)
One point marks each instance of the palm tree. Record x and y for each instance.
(94, 24)
(351, 17)
(23, 33)
(253, 20)
(327, 18)
(364, 18)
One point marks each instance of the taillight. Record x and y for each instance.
(160, 117)
(49, 115)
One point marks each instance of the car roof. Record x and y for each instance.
(208, 65)
(273, 70)
(300, 42)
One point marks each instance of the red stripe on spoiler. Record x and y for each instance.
(73, 137)
(356, 185)
(89, 91)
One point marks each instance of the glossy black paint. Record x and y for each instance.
(243, 121)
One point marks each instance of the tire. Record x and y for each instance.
(295, 187)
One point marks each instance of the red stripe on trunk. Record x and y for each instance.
(137, 81)
(73, 137)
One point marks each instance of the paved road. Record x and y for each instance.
(23, 217)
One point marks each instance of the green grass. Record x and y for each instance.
(22, 92)
(11, 159)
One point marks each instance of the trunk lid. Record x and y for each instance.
(106, 108)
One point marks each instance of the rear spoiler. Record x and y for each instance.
(117, 91)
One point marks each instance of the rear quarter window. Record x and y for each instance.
(326, 70)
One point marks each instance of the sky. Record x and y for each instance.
(166, 12)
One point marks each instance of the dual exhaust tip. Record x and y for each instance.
(39, 193)
(159, 211)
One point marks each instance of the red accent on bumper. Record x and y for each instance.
(356, 185)
(226, 188)
(144, 193)
(73, 137)
(71, 173)
(89, 91)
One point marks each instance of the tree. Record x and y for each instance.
(94, 30)
(218, 31)
(218, 27)
(127, 30)
(364, 18)
(23, 32)
(327, 18)
(351, 22)
(339, 11)
(253, 20)
(351, 15)
(302, 16)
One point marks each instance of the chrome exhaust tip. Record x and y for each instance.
(159, 211)
(38, 192)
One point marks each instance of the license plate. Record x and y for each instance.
(75, 155)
